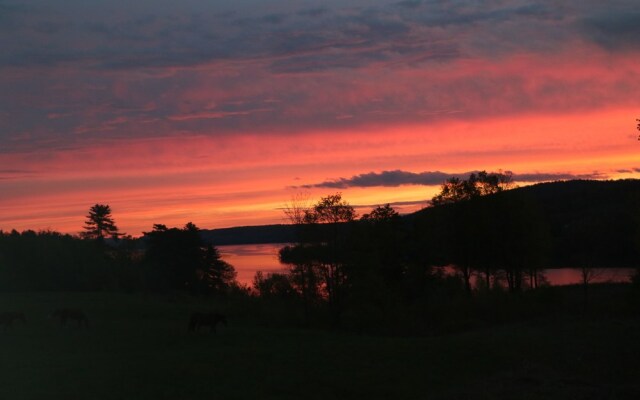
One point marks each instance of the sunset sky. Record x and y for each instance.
(219, 112)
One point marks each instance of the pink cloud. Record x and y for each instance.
(167, 116)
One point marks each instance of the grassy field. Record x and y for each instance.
(139, 348)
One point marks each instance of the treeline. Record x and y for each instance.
(483, 241)
(280, 233)
(48, 261)
(378, 272)
(164, 260)
(594, 223)
(382, 270)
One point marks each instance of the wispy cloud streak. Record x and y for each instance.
(91, 63)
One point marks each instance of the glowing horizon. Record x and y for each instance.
(218, 114)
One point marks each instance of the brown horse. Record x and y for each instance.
(7, 318)
(65, 314)
(210, 319)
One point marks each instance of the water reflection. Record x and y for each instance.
(250, 258)
(247, 259)
(569, 276)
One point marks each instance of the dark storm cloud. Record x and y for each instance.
(10, 10)
(350, 37)
(412, 4)
(539, 177)
(430, 178)
(152, 39)
(388, 179)
(274, 18)
(313, 12)
(614, 29)
(148, 64)
(157, 41)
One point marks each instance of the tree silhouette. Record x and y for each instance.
(454, 190)
(273, 285)
(379, 243)
(49, 260)
(335, 212)
(321, 250)
(303, 274)
(483, 183)
(330, 210)
(296, 210)
(219, 274)
(180, 260)
(100, 223)
(467, 217)
(382, 215)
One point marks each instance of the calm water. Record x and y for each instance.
(247, 259)
(567, 276)
(250, 258)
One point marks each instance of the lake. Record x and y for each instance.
(247, 259)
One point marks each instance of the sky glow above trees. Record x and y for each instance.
(219, 112)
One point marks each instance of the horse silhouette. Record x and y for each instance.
(211, 319)
(7, 318)
(65, 314)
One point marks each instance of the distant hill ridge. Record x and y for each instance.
(611, 206)
(261, 234)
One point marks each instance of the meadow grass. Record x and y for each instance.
(139, 348)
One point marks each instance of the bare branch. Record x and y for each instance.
(297, 209)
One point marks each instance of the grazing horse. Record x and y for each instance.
(210, 319)
(7, 318)
(65, 314)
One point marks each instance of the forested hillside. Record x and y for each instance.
(582, 221)
(569, 224)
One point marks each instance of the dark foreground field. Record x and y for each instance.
(139, 348)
